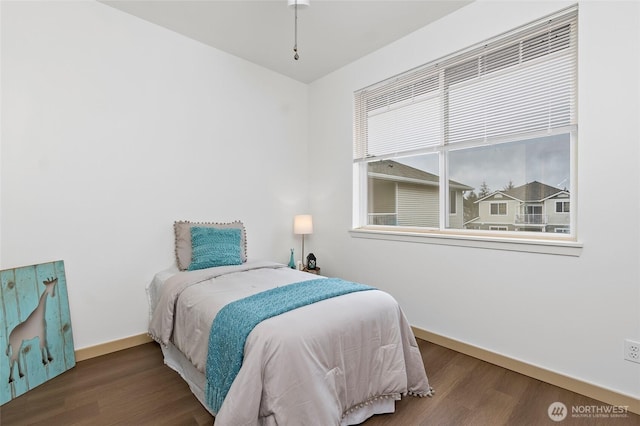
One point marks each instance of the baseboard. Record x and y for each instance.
(113, 346)
(574, 385)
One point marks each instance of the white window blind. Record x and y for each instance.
(520, 84)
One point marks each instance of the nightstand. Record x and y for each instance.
(311, 271)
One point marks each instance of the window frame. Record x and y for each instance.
(360, 224)
(499, 204)
(562, 210)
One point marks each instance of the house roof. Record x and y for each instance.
(529, 192)
(393, 170)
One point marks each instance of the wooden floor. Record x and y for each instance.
(134, 387)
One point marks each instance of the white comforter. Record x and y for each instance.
(313, 365)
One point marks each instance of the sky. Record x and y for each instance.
(546, 160)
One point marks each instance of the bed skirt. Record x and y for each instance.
(196, 380)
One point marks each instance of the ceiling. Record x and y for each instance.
(331, 33)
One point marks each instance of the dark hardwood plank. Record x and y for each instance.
(134, 387)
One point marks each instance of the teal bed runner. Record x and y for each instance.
(234, 322)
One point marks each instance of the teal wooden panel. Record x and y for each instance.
(36, 330)
(9, 318)
(26, 291)
(55, 365)
(59, 336)
(28, 298)
(65, 331)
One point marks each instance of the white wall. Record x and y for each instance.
(112, 128)
(565, 314)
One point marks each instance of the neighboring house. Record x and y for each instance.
(531, 207)
(401, 195)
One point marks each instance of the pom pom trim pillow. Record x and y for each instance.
(183, 247)
(214, 247)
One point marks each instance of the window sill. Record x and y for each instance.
(528, 245)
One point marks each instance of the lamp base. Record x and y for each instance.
(302, 253)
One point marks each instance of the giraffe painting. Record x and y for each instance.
(35, 327)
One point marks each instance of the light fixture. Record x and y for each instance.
(296, 4)
(303, 225)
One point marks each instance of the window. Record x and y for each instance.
(499, 208)
(437, 147)
(453, 202)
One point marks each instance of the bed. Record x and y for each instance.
(336, 361)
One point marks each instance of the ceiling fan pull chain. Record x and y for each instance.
(295, 33)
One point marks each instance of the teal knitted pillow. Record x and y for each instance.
(214, 247)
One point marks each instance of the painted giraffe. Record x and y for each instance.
(34, 326)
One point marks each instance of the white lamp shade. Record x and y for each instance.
(301, 3)
(303, 224)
